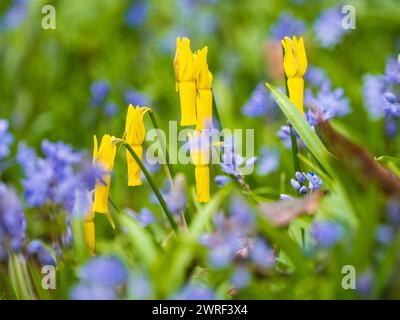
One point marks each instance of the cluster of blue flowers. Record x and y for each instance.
(6, 139)
(106, 278)
(326, 233)
(100, 279)
(287, 26)
(299, 184)
(233, 164)
(382, 95)
(261, 103)
(137, 13)
(100, 92)
(15, 15)
(37, 249)
(63, 177)
(327, 27)
(233, 241)
(12, 222)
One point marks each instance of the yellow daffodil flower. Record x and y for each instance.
(204, 80)
(184, 64)
(134, 135)
(105, 157)
(295, 65)
(200, 154)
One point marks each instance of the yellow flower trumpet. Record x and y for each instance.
(184, 66)
(134, 135)
(295, 65)
(105, 157)
(200, 154)
(89, 231)
(204, 80)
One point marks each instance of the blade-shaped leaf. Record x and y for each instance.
(307, 135)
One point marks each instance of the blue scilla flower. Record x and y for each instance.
(365, 283)
(233, 163)
(261, 254)
(392, 70)
(268, 161)
(6, 139)
(61, 157)
(287, 26)
(12, 221)
(261, 103)
(140, 286)
(299, 183)
(38, 249)
(316, 76)
(382, 95)
(145, 217)
(328, 27)
(384, 234)
(59, 177)
(221, 180)
(108, 272)
(328, 103)
(326, 233)
(195, 291)
(100, 90)
(85, 291)
(14, 16)
(111, 109)
(284, 135)
(374, 87)
(393, 212)
(242, 214)
(231, 234)
(136, 98)
(137, 13)
(241, 277)
(176, 197)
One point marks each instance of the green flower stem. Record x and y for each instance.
(296, 162)
(153, 186)
(169, 168)
(163, 144)
(215, 112)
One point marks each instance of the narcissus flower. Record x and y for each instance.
(204, 80)
(184, 65)
(200, 154)
(103, 156)
(134, 135)
(295, 65)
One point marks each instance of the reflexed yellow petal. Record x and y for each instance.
(301, 57)
(95, 147)
(289, 63)
(203, 75)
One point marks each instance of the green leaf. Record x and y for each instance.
(140, 239)
(391, 163)
(203, 216)
(307, 135)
